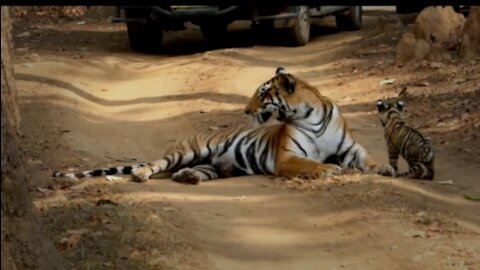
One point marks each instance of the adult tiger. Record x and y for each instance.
(406, 141)
(318, 130)
(285, 149)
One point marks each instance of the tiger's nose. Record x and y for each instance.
(247, 111)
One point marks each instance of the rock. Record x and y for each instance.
(387, 81)
(241, 198)
(421, 214)
(136, 255)
(404, 52)
(436, 65)
(470, 43)
(460, 80)
(440, 25)
(421, 50)
(419, 234)
(435, 31)
(423, 84)
(22, 49)
(464, 116)
(417, 258)
(444, 182)
(169, 209)
(24, 34)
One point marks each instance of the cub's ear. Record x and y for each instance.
(380, 105)
(400, 104)
(280, 70)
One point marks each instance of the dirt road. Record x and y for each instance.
(88, 101)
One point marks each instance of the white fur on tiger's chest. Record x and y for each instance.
(320, 146)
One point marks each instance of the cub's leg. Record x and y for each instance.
(295, 166)
(196, 174)
(393, 157)
(419, 170)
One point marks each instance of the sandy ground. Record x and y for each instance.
(87, 100)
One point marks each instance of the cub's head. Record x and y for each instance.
(284, 96)
(386, 110)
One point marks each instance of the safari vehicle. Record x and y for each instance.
(146, 24)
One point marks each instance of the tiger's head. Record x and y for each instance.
(285, 96)
(387, 110)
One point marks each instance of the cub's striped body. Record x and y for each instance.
(406, 141)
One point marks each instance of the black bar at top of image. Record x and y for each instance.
(235, 2)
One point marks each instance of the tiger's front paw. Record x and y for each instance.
(322, 171)
(141, 174)
(333, 169)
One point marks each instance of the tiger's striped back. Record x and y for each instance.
(406, 141)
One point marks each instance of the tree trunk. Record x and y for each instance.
(24, 245)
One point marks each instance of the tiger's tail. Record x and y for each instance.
(99, 172)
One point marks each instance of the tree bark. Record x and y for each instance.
(24, 244)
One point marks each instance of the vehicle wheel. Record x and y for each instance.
(299, 34)
(143, 37)
(350, 20)
(214, 31)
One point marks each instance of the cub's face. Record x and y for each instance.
(386, 109)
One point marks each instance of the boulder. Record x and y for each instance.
(435, 31)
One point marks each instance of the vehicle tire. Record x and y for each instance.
(143, 37)
(299, 34)
(350, 20)
(214, 31)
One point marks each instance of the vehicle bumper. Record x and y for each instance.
(176, 13)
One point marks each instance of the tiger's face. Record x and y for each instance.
(283, 96)
(386, 110)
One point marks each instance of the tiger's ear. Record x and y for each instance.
(280, 70)
(288, 83)
(380, 105)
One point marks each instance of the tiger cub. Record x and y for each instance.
(405, 141)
